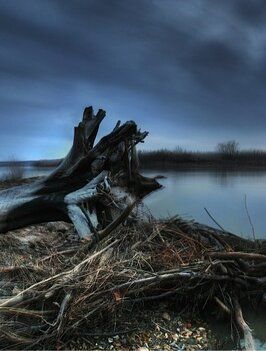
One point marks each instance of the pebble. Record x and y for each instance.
(175, 337)
(155, 332)
(166, 316)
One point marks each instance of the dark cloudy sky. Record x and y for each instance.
(192, 72)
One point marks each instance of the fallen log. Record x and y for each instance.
(77, 190)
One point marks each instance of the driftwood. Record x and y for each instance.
(240, 321)
(234, 255)
(78, 190)
(73, 289)
(248, 338)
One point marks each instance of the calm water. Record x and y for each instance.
(28, 171)
(222, 192)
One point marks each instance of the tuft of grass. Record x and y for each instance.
(16, 171)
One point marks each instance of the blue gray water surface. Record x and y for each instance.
(230, 196)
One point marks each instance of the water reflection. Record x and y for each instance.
(222, 192)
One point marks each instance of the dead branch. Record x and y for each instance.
(248, 338)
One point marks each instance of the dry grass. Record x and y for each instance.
(15, 171)
(64, 291)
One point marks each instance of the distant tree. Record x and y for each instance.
(179, 150)
(228, 149)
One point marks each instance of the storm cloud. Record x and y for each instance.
(191, 72)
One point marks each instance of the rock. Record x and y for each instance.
(175, 337)
(157, 327)
(142, 349)
(166, 316)
(110, 340)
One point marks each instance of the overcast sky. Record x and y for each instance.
(192, 72)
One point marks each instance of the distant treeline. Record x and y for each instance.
(225, 154)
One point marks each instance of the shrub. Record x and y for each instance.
(228, 149)
(16, 170)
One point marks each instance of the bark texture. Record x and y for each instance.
(88, 187)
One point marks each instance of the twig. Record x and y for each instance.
(120, 219)
(21, 295)
(63, 252)
(222, 305)
(63, 307)
(214, 220)
(249, 219)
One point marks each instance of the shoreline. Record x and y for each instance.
(226, 166)
(195, 165)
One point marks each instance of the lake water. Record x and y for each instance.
(223, 193)
(188, 192)
(28, 171)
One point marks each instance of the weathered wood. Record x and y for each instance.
(247, 332)
(76, 190)
(234, 255)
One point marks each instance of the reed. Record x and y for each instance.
(15, 171)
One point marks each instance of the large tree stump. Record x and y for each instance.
(88, 187)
